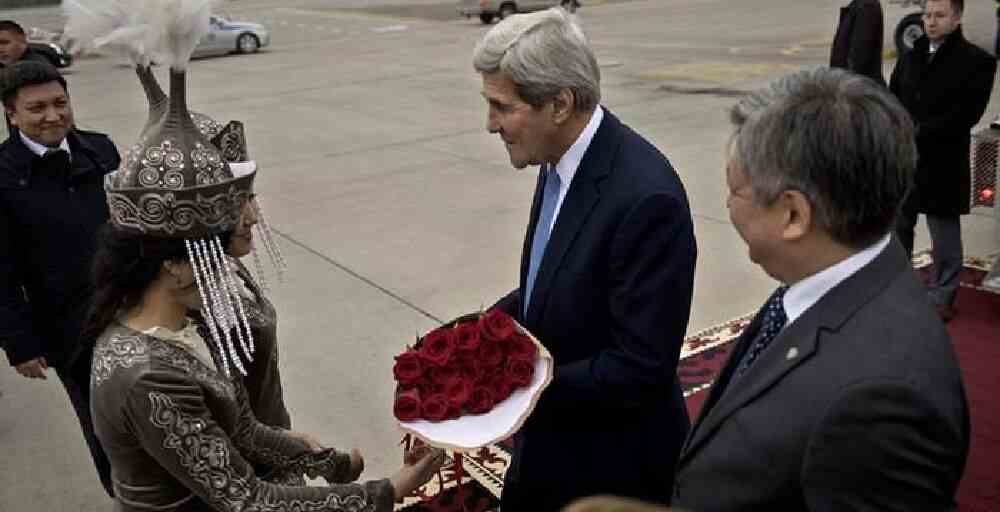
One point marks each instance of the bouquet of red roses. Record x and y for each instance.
(483, 364)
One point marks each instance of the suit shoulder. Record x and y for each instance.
(102, 145)
(10, 159)
(911, 340)
(97, 139)
(6, 146)
(642, 169)
(975, 53)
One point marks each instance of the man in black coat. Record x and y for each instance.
(857, 46)
(945, 83)
(51, 205)
(607, 273)
(14, 45)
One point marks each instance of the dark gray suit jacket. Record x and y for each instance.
(857, 405)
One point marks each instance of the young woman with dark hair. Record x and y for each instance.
(169, 403)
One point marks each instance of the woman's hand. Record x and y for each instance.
(311, 442)
(419, 466)
(357, 464)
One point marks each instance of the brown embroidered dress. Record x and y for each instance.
(181, 438)
(263, 380)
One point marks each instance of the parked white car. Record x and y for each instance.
(225, 36)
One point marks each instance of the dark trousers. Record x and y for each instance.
(526, 495)
(78, 388)
(946, 242)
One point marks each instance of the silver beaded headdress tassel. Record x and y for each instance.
(231, 141)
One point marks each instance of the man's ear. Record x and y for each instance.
(562, 106)
(10, 114)
(799, 215)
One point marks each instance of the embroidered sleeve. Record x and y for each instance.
(174, 425)
(274, 447)
(330, 464)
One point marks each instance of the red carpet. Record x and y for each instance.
(975, 331)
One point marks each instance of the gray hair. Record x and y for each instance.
(840, 139)
(543, 53)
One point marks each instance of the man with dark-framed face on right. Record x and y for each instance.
(945, 83)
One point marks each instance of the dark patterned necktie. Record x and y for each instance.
(772, 323)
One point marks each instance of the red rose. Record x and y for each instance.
(458, 392)
(444, 375)
(408, 368)
(490, 353)
(435, 407)
(425, 387)
(468, 337)
(520, 372)
(500, 387)
(481, 400)
(496, 325)
(437, 346)
(468, 369)
(407, 406)
(520, 346)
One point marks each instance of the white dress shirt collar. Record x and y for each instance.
(567, 165)
(41, 149)
(802, 295)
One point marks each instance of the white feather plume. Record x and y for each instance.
(178, 26)
(161, 31)
(89, 20)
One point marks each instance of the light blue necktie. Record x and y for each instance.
(543, 228)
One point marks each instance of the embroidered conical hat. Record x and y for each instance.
(175, 182)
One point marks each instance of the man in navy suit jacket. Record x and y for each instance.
(606, 277)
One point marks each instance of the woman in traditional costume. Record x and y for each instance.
(175, 422)
(263, 378)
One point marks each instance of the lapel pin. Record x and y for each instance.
(792, 353)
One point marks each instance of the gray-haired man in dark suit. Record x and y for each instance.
(844, 393)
